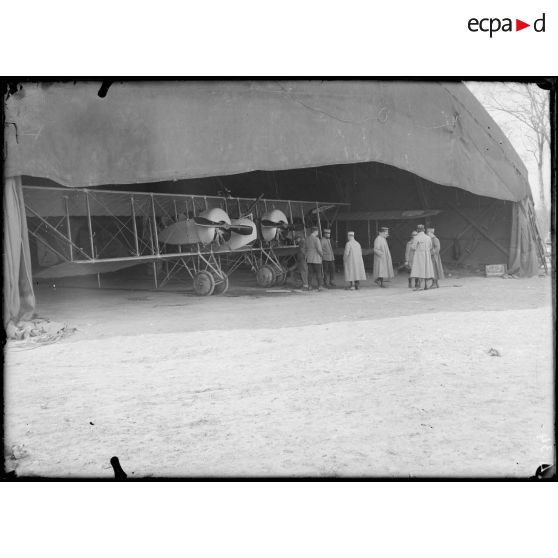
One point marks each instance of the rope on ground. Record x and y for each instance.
(36, 333)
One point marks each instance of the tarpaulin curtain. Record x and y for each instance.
(524, 254)
(19, 299)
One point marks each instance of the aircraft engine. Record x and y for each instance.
(239, 240)
(206, 234)
(271, 221)
(203, 229)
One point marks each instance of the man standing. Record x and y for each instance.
(314, 256)
(328, 260)
(436, 259)
(353, 263)
(409, 253)
(383, 266)
(422, 260)
(300, 265)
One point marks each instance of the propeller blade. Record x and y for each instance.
(273, 224)
(203, 222)
(244, 230)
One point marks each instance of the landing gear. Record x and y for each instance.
(266, 276)
(267, 266)
(204, 283)
(204, 269)
(221, 285)
(281, 276)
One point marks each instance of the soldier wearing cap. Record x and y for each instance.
(314, 254)
(383, 266)
(328, 260)
(353, 264)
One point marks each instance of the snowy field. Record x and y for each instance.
(369, 383)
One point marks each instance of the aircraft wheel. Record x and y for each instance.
(265, 276)
(204, 283)
(221, 285)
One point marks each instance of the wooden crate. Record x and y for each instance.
(495, 270)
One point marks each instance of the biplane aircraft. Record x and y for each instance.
(79, 231)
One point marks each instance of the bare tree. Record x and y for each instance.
(528, 104)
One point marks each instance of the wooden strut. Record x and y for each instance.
(464, 231)
(476, 239)
(48, 226)
(485, 234)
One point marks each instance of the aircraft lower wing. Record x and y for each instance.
(72, 269)
(92, 267)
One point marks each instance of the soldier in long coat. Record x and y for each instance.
(353, 264)
(436, 259)
(383, 266)
(422, 261)
(409, 253)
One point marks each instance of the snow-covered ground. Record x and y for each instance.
(369, 383)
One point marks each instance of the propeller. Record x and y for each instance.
(244, 230)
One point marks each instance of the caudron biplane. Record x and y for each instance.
(78, 231)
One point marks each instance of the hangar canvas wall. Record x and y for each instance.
(153, 132)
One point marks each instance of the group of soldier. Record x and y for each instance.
(315, 260)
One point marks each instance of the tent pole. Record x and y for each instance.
(155, 273)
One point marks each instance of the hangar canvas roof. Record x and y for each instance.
(156, 131)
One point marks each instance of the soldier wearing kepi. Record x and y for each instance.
(383, 266)
(422, 261)
(314, 254)
(353, 263)
(328, 260)
(436, 259)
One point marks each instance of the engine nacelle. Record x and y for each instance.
(238, 241)
(276, 216)
(206, 235)
(189, 232)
